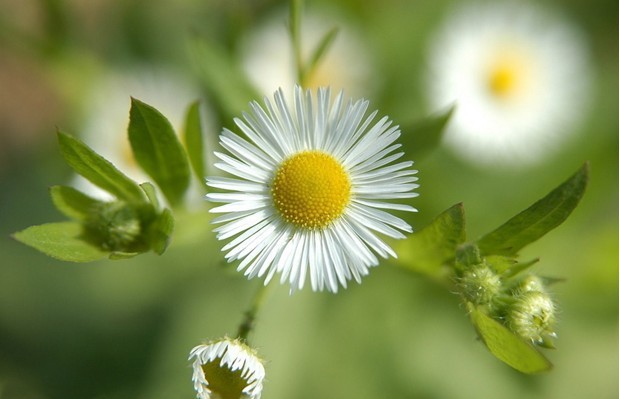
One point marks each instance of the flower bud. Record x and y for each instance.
(480, 284)
(532, 316)
(226, 369)
(528, 284)
(115, 226)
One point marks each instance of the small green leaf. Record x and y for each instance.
(537, 220)
(160, 231)
(72, 203)
(97, 169)
(467, 255)
(506, 346)
(422, 136)
(61, 241)
(519, 267)
(193, 139)
(158, 151)
(428, 250)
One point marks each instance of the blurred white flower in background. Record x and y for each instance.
(518, 75)
(107, 116)
(268, 59)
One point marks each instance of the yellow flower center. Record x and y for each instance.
(502, 80)
(311, 189)
(223, 382)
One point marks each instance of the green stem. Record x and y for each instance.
(248, 322)
(295, 27)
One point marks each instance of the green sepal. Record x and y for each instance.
(62, 241)
(160, 231)
(518, 267)
(97, 169)
(506, 346)
(431, 248)
(118, 255)
(467, 255)
(151, 194)
(422, 136)
(72, 203)
(158, 151)
(193, 139)
(537, 220)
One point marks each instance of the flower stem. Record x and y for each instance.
(248, 322)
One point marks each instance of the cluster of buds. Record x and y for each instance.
(521, 303)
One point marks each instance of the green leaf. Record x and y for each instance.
(158, 151)
(222, 77)
(117, 255)
(428, 250)
(160, 231)
(537, 220)
(194, 142)
(71, 202)
(97, 169)
(506, 346)
(60, 241)
(422, 136)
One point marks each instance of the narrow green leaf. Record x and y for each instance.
(193, 139)
(60, 241)
(71, 202)
(97, 169)
(222, 77)
(506, 346)
(319, 52)
(117, 255)
(158, 151)
(537, 220)
(294, 25)
(423, 136)
(160, 231)
(428, 250)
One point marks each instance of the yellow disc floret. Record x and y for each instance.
(311, 189)
(502, 80)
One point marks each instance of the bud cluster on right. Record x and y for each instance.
(520, 301)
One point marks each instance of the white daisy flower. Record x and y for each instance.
(269, 62)
(518, 77)
(226, 369)
(310, 190)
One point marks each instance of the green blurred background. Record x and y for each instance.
(124, 329)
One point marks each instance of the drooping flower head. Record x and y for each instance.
(518, 76)
(312, 188)
(226, 369)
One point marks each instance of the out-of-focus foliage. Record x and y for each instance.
(124, 329)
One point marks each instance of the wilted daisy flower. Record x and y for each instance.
(268, 59)
(310, 190)
(518, 76)
(226, 369)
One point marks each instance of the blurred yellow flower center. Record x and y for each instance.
(223, 382)
(311, 189)
(503, 78)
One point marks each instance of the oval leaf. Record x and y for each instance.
(506, 346)
(71, 202)
(537, 220)
(60, 241)
(97, 169)
(158, 150)
(428, 250)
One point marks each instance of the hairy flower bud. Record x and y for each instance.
(532, 316)
(480, 285)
